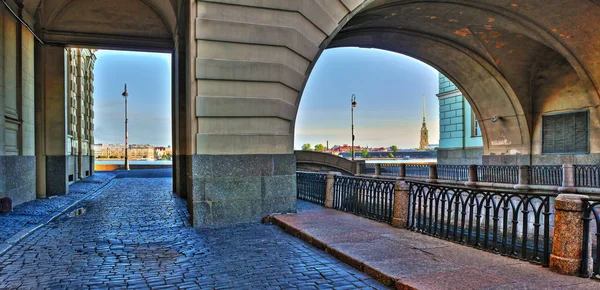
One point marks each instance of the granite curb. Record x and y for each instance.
(379, 276)
(6, 245)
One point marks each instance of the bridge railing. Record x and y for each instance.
(507, 222)
(591, 235)
(587, 175)
(453, 172)
(311, 186)
(515, 223)
(367, 197)
(498, 173)
(546, 174)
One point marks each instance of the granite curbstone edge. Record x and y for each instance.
(23, 233)
(345, 258)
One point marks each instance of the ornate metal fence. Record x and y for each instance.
(453, 172)
(367, 197)
(417, 170)
(587, 175)
(507, 222)
(546, 174)
(498, 173)
(590, 212)
(311, 186)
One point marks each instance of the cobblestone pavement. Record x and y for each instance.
(135, 234)
(34, 212)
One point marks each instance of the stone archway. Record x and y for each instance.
(147, 25)
(253, 58)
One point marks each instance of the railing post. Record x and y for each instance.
(433, 176)
(568, 234)
(402, 170)
(524, 177)
(401, 204)
(568, 182)
(472, 175)
(377, 169)
(329, 191)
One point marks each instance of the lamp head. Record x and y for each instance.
(125, 94)
(353, 99)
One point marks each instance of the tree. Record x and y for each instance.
(320, 147)
(394, 148)
(391, 155)
(306, 147)
(364, 153)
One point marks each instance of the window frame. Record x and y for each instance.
(474, 126)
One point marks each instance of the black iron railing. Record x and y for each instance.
(546, 174)
(507, 222)
(453, 172)
(390, 169)
(367, 197)
(587, 175)
(311, 186)
(590, 212)
(417, 170)
(498, 173)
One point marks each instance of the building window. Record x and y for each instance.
(566, 133)
(475, 129)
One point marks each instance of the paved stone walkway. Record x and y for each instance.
(135, 234)
(412, 260)
(36, 211)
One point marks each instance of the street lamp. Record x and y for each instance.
(353, 100)
(125, 95)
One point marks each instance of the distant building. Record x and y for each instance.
(159, 152)
(135, 151)
(345, 148)
(109, 150)
(144, 151)
(460, 135)
(424, 141)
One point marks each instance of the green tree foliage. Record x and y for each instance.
(394, 148)
(320, 147)
(391, 155)
(306, 146)
(364, 153)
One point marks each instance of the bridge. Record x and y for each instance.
(323, 162)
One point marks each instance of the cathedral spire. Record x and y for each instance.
(423, 108)
(424, 142)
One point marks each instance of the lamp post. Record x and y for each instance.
(353, 100)
(125, 95)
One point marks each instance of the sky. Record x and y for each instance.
(148, 78)
(389, 90)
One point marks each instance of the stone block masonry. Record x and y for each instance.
(229, 189)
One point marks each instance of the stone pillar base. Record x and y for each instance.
(56, 175)
(330, 188)
(401, 204)
(568, 234)
(565, 266)
(233, 189)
